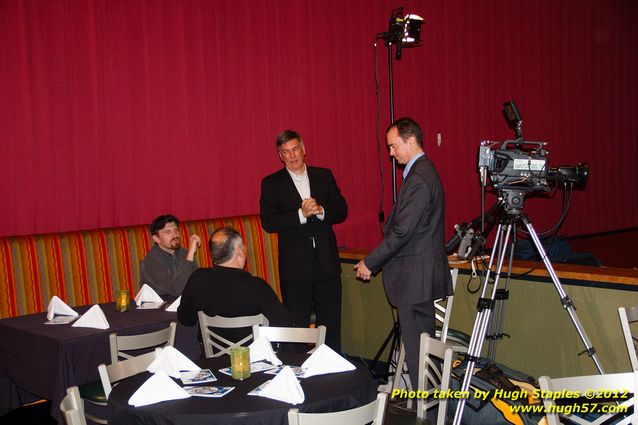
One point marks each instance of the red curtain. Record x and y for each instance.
(114, 111)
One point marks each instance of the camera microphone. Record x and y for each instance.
(466, 244)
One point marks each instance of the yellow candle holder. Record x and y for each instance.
(122, 300)
(240, 362)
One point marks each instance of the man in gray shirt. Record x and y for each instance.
(167, 266)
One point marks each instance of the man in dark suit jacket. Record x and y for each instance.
(412, 253)
(301, 203)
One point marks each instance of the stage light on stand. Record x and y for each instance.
(412, 30)
(403, 31)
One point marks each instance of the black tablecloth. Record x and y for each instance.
(324, 393)
(47, 359)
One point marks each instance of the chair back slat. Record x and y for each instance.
(216, 345)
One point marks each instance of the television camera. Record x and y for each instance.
(515, 168)
(522, 165)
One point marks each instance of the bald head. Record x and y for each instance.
(227, 248)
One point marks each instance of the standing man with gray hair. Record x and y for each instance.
(412, 254)
(301, 203)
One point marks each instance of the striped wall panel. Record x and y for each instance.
(87, 267)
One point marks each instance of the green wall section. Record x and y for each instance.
(543, 340)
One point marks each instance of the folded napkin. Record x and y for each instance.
(171, 362)
(261, 349)
(59, 307)
(158, 387)
(325, 360)
(174, 304)
(284, 387)
(93, 318)
(147, 295)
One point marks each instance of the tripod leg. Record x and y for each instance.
(502, 295)
(393, 338)
(484, 310)
(564, 298)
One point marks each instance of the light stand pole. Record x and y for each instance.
(391, 91)
(404, 31)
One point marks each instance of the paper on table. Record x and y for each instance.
(174, 304)
(93, 318)
(283, 387)
(159, 387)
(147, 295)
(57, 306)
(325, 360)
(171, 362)
(261, 349)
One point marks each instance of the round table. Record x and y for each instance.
(323, 393)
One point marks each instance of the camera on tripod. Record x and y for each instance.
(523, 165)
(515, 168)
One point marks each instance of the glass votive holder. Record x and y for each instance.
(122, 300)
(240, 362)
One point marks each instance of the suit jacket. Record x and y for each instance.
(279, 205)
(412, 254)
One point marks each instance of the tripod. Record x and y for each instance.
(394, 339)
(512, 214)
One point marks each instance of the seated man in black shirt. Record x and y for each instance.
(228, 290)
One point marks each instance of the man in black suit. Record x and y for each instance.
(301, 203)
(412, 254)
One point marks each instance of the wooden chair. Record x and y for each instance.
(628, 317)
(435, 367)
(93, 392)
(213, 341)
(316, 336)
(372, 412)
(120, 344)
(123, 369)
(72, 407)
(609, 383)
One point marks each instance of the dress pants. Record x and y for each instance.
(415, 319)
(321, 291)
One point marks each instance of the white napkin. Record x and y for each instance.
(93, 318)
(171, 362)
(174, 304)
(147, 295)
(284, 387)
(57, 306)
(325, 360)
(261, 349)
(158, 387)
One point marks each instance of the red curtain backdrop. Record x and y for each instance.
(114, 111)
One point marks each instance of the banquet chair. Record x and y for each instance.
(618, 383)
(442, 313)
(629, 317)
(372, 412)
(213, 341)
(120, 344)
(123, 369)
(72, 407)
(435, 366)
(93, 392)
(316, 336)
